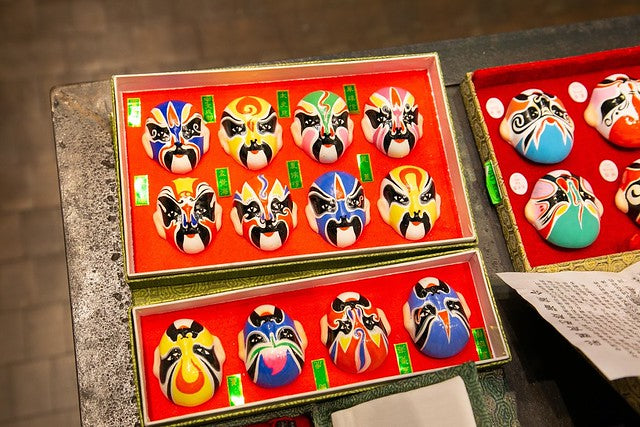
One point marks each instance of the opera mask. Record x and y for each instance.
(564, 210)
(175, 136)
(187, 215)
(264, 213)
(272, 347)
(322, 126)
(338, 209)
(250, 132)
(628, 195)
(408, 201)
(436, 317)
(392, 121)
(614, 110)
(356, 333)
(537, 125)
(188, 363)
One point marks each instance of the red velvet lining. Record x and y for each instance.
(589, 149)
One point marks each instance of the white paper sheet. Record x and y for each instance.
(597, 312)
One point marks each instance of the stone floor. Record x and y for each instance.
(45, 43)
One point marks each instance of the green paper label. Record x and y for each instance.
(284, 109)
(208, 109)
(364, 164)
(482, 346)
(403, 358)
(320, 374)
(295, 177)
(351, 96)
(234, 387)
(134, 112)
(492, 183)
(141, 190)
(222, 181)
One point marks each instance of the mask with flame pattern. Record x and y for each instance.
(322, 126)
(356, 333)
(564, 210)
(408, 201)
(392, 121)
(175, 136)
(628, 195)
(264, 213)
(614, 110)
(187, 215)
(272, 345)
(537, 125)
(250, 132)
(188, 363)
(338, 209)
(437, 318)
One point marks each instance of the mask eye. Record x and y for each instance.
(192, 129)
(158, 133)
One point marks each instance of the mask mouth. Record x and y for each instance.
(399, 137)
(192, 231)
(415, 220)
(327, 143)
(178, 152)
(279, 227)
(343, 225)
(255, 148)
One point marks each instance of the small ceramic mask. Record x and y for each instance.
(408, 201)
(188, 363)
(437, 318)
(628, 194)
(187, 215)
(175, 136)
(537, 125)
(264, 213)
(392, 121)
(272, 345)
(614, 110)
(338, 209)
(356, 333)
(250, 132)
(322, 126)
(564, 210)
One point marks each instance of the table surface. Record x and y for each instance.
(552, 382)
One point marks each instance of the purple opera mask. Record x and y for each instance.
(564, 210)
(188, 363)
(322, 126)
(436, 317)
(628, 195)
(264, 213)
(537, 125)
(356, 333)
(187, 215)
(175, 136)
(392, 121)
(250, 132)
(272, 345)
(408, 201)
(338, 209)
(614, 110)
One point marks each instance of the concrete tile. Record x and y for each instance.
(88, 16)
(50, 281)
(64, 384)
(42, 180)
(14, 186)
(17, 19)
(30, 383)
(11, 230)
(7, 398)
(42, 229)
(17, 285)
(67, 418)
(15, 352)
(49, 331)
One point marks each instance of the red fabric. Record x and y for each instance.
(589, 148)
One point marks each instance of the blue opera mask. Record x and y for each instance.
(338, 209)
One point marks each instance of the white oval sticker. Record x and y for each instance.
(518, 183)
(494, 108)
(578, 92)
(608, 170)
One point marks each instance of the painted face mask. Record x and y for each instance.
(628, 195)
(537, 125)
(322, 126)
(614, 110)
(564, 210)
(175, 136)
(436, 317)
(338, 209)
(250, 132)
(264, 213)
(408, 201)
(188, 363)
(187, 215)
(272, 347)
(356, 333)
(392, 121)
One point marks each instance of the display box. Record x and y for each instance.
(511, 177)
(306, 301)
(155, 253)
